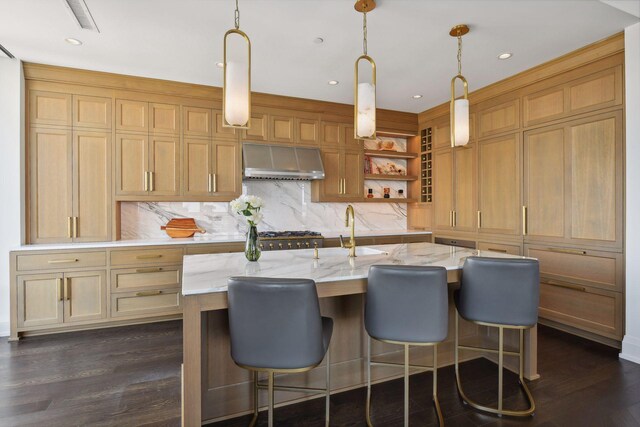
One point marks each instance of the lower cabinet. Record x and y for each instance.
(59, 298)
(146, 303)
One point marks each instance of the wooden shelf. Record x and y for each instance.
(390, 200)
(390, 154)
(390, 177)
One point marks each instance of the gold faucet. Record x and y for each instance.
(352, 241)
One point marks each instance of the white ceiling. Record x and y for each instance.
(182, 40)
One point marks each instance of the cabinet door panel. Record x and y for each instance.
(501, 118)
(197, 166)
(221, 131)
(258, 127)
(308, 131)
(165, 118)
(596, 160)
(39, 300)
(330, 133)
(442, 133)
(226, 161)
(91, 112)
(164, 163)
(465, 188)
(282, 129)
(132, 161)
(49, 108)
(85, 296)
(443, 188)
(197, 121)
(331, 183)
(51, 185)
(92, 185)
(132, 116)
(544, 183)
(600, 90)
(353, 174)
(499, 185)
(543, 106)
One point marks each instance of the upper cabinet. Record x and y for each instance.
(501, 118)
(197, 122)
(220, 131)
(91, 112)
(258, 127)
(598, 90)
(573, 181)
(344, 177)
(50, 108)
(212, 169)
(132, 116)
(339, 134)
(308, 131)
(164, 119)
(281, 128)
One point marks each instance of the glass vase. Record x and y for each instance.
(252, 247)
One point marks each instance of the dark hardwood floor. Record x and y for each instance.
(130, 376)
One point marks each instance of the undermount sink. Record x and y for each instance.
(360, 251)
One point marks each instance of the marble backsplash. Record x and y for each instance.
(288, 206)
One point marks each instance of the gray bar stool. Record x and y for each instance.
(500, 293)
(406, 305)
(276, 327)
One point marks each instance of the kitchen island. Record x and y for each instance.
(214, 388)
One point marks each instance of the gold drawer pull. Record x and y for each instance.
(62, 261)
(564, 285)
(504, 251)
(568, 251)
(148, 256)
(148, 270)
(148, 293)
(61, 289)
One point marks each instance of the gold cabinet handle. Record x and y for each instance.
(67, 290)
(146, 180)
(504, 251)
(152, 181)
(61, 289)
(524, 221)
(148, 270)
(564, 285)
(568, 251)
(215, 182)
(340, 186)
(62, 261)
(454, 219)
(479, 219)
(69, 227)
(148, 293)
(75, 226)
(210, 183)
(148, 256)
(344, 185)
(450, 218)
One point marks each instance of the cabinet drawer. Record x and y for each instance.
(146, 256)
(418, 238)
(215, 249)
(592, 268)
(61, 260)
(499, 247)
(586, 308)
(384, 240)
(131, 279)
(143, 303)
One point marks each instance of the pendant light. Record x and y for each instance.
(459, 108)
(236, 88)
(365, 92)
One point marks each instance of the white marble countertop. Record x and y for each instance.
(201, 239)
(209, 273)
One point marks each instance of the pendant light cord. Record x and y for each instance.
(459, 53)
(364, 29)
(237, 16)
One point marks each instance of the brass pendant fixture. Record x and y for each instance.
(365, 92)
(236, 88)
(459, 107)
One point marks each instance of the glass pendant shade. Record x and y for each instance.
(461, 122)
(366, 110)
(237, 79)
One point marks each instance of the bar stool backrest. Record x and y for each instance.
(407, 303)
(275, 323)
(500, 290)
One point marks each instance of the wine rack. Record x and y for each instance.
(426, 165)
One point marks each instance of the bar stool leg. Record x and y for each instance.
(435, 385)
(255, 399)
(328, 387)
(368, 404)
(270, 387)
(406, 385)
(500, 367)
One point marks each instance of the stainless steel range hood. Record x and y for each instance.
(262, 161)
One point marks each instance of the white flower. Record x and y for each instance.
(238, 205)
(255, 218)
(254, 201)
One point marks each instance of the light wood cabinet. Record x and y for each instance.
(58, 298)
(132, 116)
(504, 117)
(164, 166)
(573, 182)
(499, 185)
(91, 112)
(281, 128)
(165, 119)
(50, 109)
(197, 167)
(220, 131)
(212, 169)
(308, 131)
(339, 134)
(258, 127)
(70, 186)
(500, 247)
(443, 189)
(197, 122)
(344, 178)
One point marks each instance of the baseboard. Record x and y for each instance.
(4, 329)
(630, 349)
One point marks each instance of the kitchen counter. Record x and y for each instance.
(214, 388)
(202, 239)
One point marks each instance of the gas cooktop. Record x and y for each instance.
(289, 234)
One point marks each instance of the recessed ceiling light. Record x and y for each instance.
(318, 40)
(505, 55)
(72, 41)
(333, 82)
(220, 64)
(417, 96)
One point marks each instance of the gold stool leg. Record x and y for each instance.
(406, 385)
(435, 385)
(270, 386)
(255, 399)
(500, 367)
(368, 404)
(328, 387)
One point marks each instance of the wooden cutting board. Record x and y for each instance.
(182, 227)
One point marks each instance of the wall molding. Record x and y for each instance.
(630, 349)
